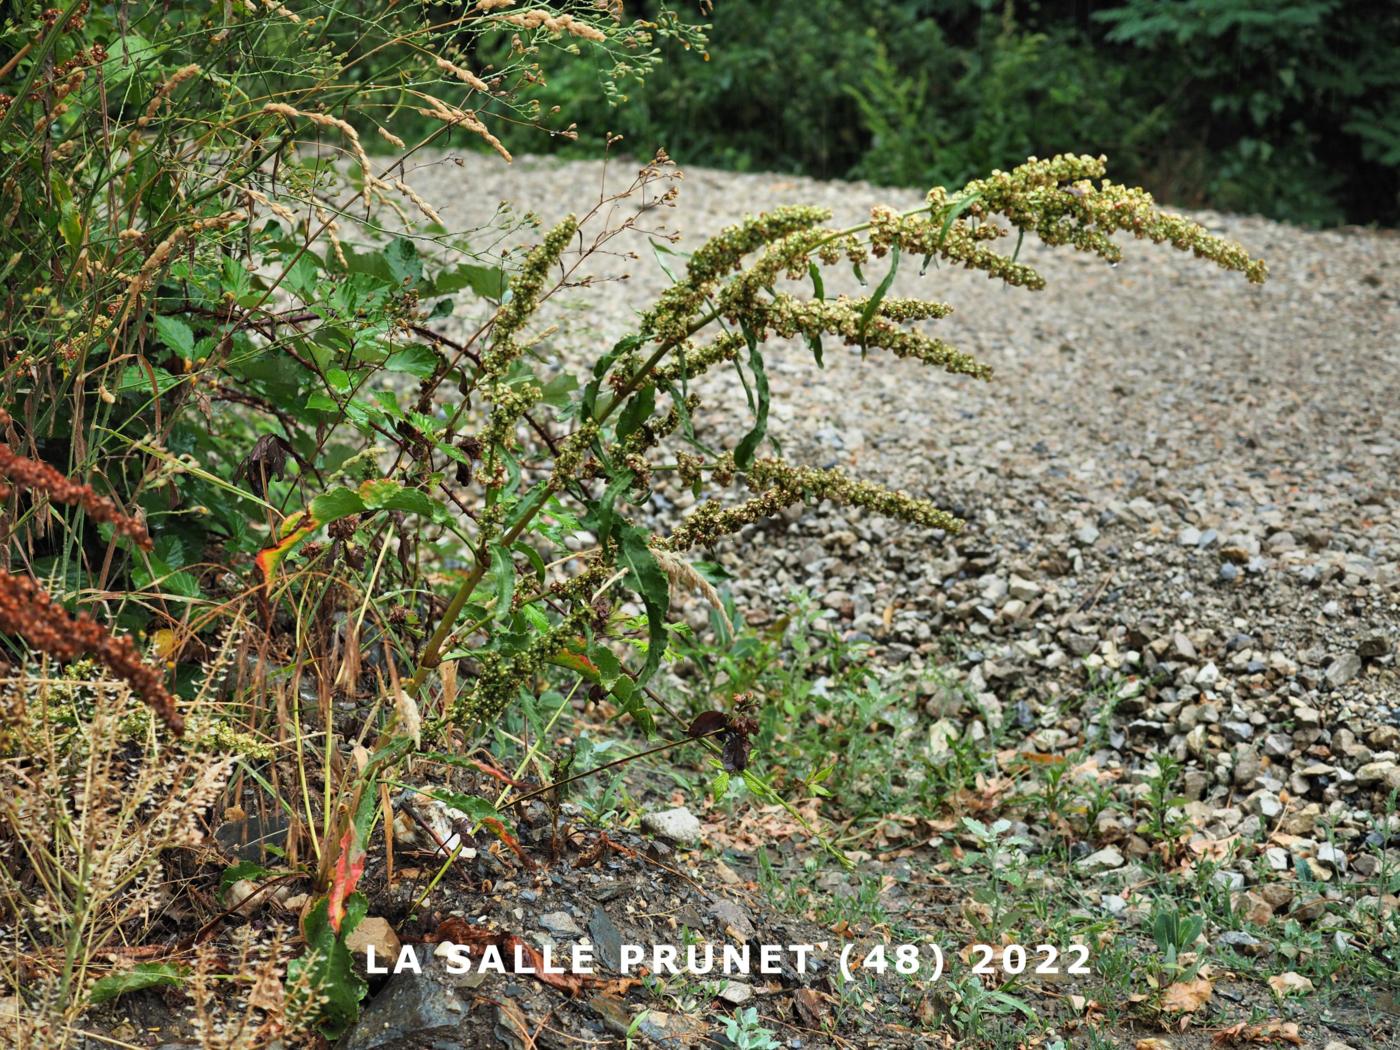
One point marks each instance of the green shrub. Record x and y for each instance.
(1285, 109)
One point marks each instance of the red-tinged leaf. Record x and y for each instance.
(578, 663)
(295, 529)
(349, 866)
(568, 983)
(499, 830)
(707, 722)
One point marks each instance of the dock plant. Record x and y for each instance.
(312, 438)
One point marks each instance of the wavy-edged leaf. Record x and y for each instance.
(648, 579)
(143, 975)
(503, 575)
(326, 972)
(872, 305)
(748, 445)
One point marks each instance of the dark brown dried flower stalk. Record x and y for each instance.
(28, 611)
(39, 476)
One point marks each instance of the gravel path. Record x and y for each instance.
(1175, 478)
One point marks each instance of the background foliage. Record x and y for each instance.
(1285, 108)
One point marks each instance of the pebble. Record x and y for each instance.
(1343, 669)
(1105, 859)
(677, 825)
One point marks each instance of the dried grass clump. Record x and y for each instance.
(91, 807)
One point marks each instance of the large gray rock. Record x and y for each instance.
(420, 1012)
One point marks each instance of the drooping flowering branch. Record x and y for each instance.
(729, 302)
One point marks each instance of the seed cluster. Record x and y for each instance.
(782, 485)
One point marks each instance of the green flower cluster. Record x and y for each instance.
(669, 320)
(782, 485)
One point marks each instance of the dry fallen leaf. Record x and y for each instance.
(1152, 1044)
(810, 1007)
(1187, 997)
(1271, 1031)
(1290, 983)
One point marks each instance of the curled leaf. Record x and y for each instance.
(707, 722)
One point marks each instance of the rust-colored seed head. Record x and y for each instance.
(38, 476)
(28, 611)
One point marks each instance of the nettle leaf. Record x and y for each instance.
(387, 494)
(503, 574)
(489, 282)
(648, 579)
(339, 502)
(744, 451)
(135, 379)
(418, 361)
(177, 335)
(143, 975)
(405, 264)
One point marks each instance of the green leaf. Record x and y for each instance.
(144, 975)
(637, 411)
(648, 579)
(476, 809)
(405, 266)
(559, 391)
(744, 451)
(600, 370)
(387, 494)
(720, 787)
(489, 282)
(419, 361)
(956, 208)
(603, 513)
(244, 869)
(814, 341)
(339, 502)
(872, 304)
(135, 379)
(177, 335)
(503, 573)
(326, 972)
(633, 702)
